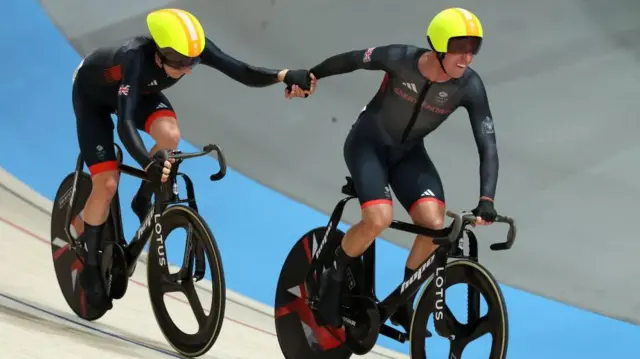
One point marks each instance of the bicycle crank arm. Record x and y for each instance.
(393, 333)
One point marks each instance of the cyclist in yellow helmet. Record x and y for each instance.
(385, 150)
(128, 80)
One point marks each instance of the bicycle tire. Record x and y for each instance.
(191, 345)
(472, 273)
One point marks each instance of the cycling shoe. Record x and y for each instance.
(91, 282)
(329, 301)
(403, 317)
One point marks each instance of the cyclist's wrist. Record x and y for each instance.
(282, 74)
(485, 198)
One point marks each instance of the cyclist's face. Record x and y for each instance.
(173, 72)
(456, 64)
(176, 73)
(460, 52)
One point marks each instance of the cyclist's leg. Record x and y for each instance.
(369, 174)
(367, 166)
(418, 187)
(95, 138)
(155, 116)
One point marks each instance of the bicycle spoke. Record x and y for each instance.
(194, 301)
(451, 323)
(456, 348)
(481, 327)
(170, 286)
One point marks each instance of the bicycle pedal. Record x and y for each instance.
(312, 303)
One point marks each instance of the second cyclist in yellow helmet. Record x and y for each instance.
(455, 31)
(128, 80)
(384, 150)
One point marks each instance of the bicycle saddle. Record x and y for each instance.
(349, 189)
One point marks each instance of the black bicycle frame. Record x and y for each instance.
(151, 223)
(434, 265)
(165, 195)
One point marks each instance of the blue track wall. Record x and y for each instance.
(255, 226)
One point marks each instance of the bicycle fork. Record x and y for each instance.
(193, 248)
(443, 321)
(441, 316)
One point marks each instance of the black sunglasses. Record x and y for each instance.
(178, 61)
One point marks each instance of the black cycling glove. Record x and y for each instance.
(156, 166)
(485, 210)
(302, 78)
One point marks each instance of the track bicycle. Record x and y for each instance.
(300, 330)
(118, 257)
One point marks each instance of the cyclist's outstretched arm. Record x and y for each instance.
(477, 104)
(128, 94)
(383, 58)
(240, 71)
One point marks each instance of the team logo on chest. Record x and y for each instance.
(441, 98)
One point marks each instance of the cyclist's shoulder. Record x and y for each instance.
(137, 46)
(119, 52)
(135, 52)
(472, 89)
(399, 58)
(472, 82)
(400, 50)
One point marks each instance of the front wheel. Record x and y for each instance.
(161, 281)
(479, 282)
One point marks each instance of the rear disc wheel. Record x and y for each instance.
(299, 334)
(67, 263)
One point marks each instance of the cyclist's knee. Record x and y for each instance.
(165, 132)
(435, 222)
(376, 218)
(429, 214)
(172, 137)
(105, 185)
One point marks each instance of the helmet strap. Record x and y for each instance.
(157, 53)
(440, 56)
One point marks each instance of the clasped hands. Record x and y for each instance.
(297, 81)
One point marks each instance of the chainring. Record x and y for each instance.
(363, 332)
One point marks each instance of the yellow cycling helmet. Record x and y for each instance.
(178, 34)
(455, 30)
